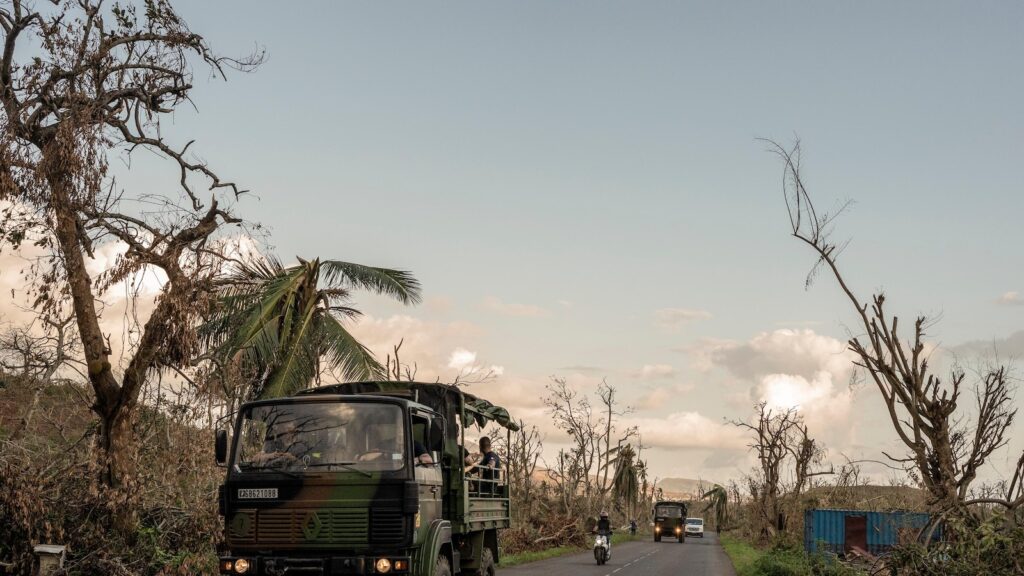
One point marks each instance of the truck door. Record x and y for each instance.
(428, 476)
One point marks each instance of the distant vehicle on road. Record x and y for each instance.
(668, 520)
(695, 527)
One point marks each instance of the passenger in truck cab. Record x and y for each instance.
(284, 444)
(422, 456)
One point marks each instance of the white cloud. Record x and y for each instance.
(790, 369)
(799, 352)
(1011, 299)
(461, 359)
(657, 371)
(496, 305)
(688, 430)
(426, 346)
(821, 402)
(672, 317)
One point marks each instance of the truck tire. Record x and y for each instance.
(486, 563)
(442, 568)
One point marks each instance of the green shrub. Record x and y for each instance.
(992, 545)
(783, 560)
(826, 564)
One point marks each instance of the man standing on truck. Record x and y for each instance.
(488, 464)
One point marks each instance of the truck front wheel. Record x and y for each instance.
(486, 563)
(443, 568)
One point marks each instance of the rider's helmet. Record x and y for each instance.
(604, 514)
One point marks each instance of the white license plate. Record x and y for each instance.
(257, 493)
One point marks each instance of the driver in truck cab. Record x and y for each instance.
(285, 444)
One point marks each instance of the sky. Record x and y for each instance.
(581, 189)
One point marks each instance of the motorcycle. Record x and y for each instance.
(602, 549)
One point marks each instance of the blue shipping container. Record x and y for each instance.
(837, 531)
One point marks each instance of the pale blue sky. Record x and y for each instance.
(604, 154)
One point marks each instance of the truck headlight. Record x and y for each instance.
(383, 566)
(241, 566)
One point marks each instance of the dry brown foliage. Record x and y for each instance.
(48, 492)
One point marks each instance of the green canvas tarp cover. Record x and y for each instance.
(441, 397)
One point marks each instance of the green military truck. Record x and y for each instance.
(669, 520)
(361, 478)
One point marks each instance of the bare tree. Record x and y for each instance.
(944, 447)
(573, 414)
(37, 357)
(78, 82)
(394, 368)
(807, 453)
(610, 413)
(522, 455)
(771, 438)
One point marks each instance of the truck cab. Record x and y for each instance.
(669, 519)
(363, 478)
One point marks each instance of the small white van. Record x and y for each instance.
(695, 527)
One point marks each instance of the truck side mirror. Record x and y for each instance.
(220, 447)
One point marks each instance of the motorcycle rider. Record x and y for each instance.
(632, 526)
(604, 528)
(604, 525)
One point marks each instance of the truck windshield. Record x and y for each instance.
(669, 512)
(321, 436)
(695, 521)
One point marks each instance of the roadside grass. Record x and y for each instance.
(741, 553)
(527, 557)
(782, 560)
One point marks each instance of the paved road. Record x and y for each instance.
(695, 557)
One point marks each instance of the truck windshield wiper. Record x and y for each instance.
(345, 465)
(249, 467)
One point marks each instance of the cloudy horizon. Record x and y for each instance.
(582, 193)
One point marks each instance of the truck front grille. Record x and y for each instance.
(388, 527)
(312, 526)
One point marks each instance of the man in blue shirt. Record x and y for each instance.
(488, 466)
(490, 458)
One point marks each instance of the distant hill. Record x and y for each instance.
(867, 497)
(672, 488)
(682, 488)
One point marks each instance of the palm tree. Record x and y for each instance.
(280, 323)
(719, 500)
(641, 474)
(625, 482)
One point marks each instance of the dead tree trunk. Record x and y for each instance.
(944, 449)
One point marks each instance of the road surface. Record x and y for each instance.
(695, 557)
